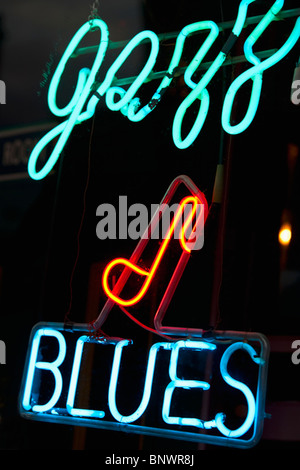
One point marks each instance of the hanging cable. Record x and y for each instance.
(81, 223)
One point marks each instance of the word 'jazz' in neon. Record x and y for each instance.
(119, 99)
(60, 405)
(187, 246)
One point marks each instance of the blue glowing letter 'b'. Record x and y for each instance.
(53, 367)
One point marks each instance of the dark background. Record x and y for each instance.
(50, 258)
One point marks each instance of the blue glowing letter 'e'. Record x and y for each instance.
(185, 384)
(50, 366)
(239, 386)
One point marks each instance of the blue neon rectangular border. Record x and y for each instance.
(151, 431)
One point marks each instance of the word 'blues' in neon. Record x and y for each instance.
(87, 93)
(188, 389)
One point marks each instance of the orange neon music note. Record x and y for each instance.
(197, 204)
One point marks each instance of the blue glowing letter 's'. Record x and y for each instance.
(199, 91)
(50, 366)
(73, 384)
(148, 382)
(186, 384)
(239, 386)
(255, 73)
(74, 108)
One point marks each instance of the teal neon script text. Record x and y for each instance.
(87, 92)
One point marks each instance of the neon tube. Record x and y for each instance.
(126, 96)
(138, 251)
(83, 88)
(134, 113)
(255, 73)
(148, 381)
(150, 274)
(200, 92)
(50, 366)
(220, 417)
(185, 384)
(73, 384)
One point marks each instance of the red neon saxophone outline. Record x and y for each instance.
(131, 264)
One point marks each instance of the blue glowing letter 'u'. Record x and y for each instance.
(148, 382)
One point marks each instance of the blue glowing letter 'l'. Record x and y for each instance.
(73, 384)
(50, 366)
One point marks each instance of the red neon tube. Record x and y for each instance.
(151, 273)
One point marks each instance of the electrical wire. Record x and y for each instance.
(66, 320)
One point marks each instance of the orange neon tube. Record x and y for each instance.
(150, 274)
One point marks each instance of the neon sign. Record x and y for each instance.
(188, 379)
(88, 93)
(150, 274)
(165, 401)
(196, 202)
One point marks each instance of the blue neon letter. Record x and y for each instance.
(148, 382)
(50, 366)
(73, 384)
(187, 384)
(220, 417)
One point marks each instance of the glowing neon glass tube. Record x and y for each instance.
(147, 387)
(85, 82)
(134, 113)
(127, 95)
(255, 73)
(199, 91)
(239, 386)
(73, 384)
(150, 274)
(52, 367)
(185, 384)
